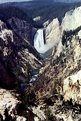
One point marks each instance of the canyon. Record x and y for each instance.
(40, 67)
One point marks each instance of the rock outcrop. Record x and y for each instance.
(7, 101)
(10, 106)
(22, 28)
(17, 57)
(55, 31)
(72, 19)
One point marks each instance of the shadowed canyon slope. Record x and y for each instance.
(16, 51)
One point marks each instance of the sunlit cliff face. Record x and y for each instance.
(54, 32)
(72, 88)
(72, 19)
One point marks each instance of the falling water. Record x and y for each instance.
(39, 42)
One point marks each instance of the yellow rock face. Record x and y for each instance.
(72, 88)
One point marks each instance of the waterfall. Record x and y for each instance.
(39, 41)
(40, 44)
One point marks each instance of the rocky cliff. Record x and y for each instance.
(17, 57)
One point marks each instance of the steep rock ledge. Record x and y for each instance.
(17, 57)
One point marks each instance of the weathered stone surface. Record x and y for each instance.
(23, 28)
(7, 101)
(72, 88)
(17, 58)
